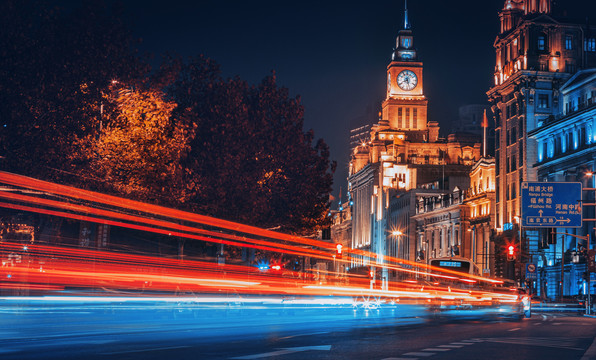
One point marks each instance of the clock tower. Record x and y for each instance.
(405, 107)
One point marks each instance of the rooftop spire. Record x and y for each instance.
(406, 20)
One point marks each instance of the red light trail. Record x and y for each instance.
(53, 268)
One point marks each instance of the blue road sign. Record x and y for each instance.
(551, 204)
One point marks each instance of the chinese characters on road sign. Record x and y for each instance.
(551, 204)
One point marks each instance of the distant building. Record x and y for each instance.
(460, 221)
(403, 151)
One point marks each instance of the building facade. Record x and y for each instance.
(537, 51)
(460, 222)
(403, 151)
(567, 153)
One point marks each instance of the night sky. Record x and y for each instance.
(334, 54)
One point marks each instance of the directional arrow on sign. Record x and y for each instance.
(564, 220)
(285, 351)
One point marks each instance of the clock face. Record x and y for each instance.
(407, 80)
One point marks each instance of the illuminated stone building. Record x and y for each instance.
(460, 222)
(536, 52)
(403, 151)
(566, 146)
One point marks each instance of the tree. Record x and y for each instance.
(138, 151)
(54, 66)
(249, 159)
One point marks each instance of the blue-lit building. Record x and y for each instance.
(566, 144)
(538, 51)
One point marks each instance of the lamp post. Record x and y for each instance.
(590, 259)
(396, 234)
(587, 238)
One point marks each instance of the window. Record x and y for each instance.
(521, 153)
(590, 44)
(570, 68)
(513, 163)
(513, 136)
(399, 117)
(542, 42)
(543, 102)
(497, 139)
(407, 120)
(543, 66)
(497, 162)
(513, 191)
(568, 42)
(507, 168)
(405, 42)
(415, 118)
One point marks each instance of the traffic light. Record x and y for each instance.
(338, 248)
(511, 252)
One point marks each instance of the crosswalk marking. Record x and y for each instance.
(452, 346)
(419, 354)
(436, 349)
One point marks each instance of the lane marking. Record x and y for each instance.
(563, 343)
(461, 343)
(514, 329)
(309, 334)
(284, 351)
(419, 354)
(392, 358)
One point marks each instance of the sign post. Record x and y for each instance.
(551, 204)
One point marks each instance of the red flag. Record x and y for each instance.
(484, 120)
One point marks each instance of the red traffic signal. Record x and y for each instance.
(511, 253)
(338, 248)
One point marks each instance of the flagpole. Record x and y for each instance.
(484, 126)
(484, 141)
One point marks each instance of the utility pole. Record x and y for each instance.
(587, 238)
